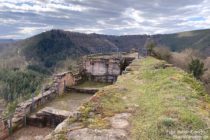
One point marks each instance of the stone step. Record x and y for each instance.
(83, 90)
(48, 116)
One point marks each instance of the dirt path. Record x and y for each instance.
(30, 133)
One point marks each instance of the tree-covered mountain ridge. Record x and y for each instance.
(53, 46)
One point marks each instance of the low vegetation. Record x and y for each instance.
(190, 60)
(196, 67)
(166, 103)
(17, 84)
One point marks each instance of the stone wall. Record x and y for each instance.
(105, 69)
(64, 79)
(48, 116)
(102, 70)
(60, 81)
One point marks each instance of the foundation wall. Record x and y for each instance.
(60, 81)
(102, 70)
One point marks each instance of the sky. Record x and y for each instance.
(24, 18)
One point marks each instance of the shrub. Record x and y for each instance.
(162, 53)
(207, 63)
(150, 45)
(206, 76)
(182, 59)
(196, 67)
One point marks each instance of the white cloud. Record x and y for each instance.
(86, 30)
(24, 7)
(70, 7)
(134, 14)
(37, 6)
(32, 30)
(28, 17)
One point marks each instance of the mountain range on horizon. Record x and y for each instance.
(201, 35)
(49, 47)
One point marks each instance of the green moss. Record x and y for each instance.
(112, 103)
(98, 123)
(86, 109)
(103, 105)
(61, 137)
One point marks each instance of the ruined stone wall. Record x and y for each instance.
(102, 67)
(63, 80)
(114, 68)
(60, 81)
(102, 70)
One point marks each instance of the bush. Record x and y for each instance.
(162, 53)
(150, 45)
(183, 58)
(206, 76)
(196, 67)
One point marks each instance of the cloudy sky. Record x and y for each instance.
(24, 18)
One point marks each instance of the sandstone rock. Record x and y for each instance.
(48, 137)
(39, 138)
(91, 114)
(96, 134)
(61, 126)
(120, 121)
(49, 111)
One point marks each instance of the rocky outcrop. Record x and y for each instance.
(76, 131)
(97, 134)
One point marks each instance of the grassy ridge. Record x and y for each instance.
(169, 101)
(166, 103)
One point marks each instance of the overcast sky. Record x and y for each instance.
(24, 18)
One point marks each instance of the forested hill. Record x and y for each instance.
(198, 39)
(58, 44)
(53, 46)
(6, 40)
